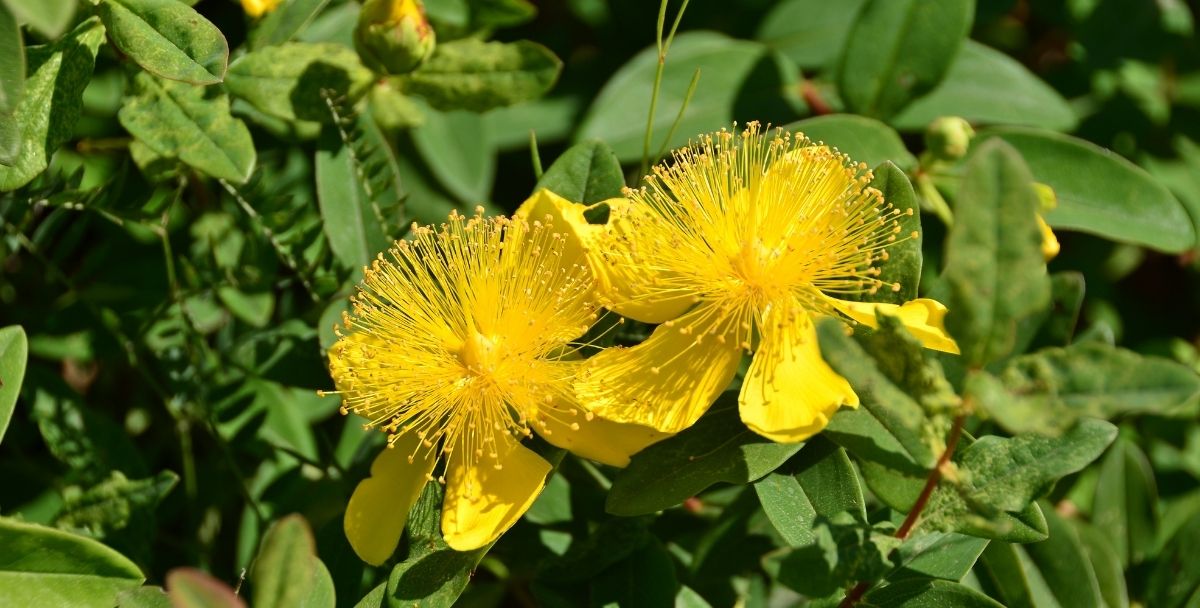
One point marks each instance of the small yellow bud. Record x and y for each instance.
(393, 36)
(258, 8)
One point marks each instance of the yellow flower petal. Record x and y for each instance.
(923, 318)
(378, 509)
(483, 501)
(668, 381)
(1050, 246)
(567, 218)
(626, 284)
(790, 393)
(566, 425)
(258, 8)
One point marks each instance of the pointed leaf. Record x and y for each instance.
(587, 173)
(42, 566)
(286, 569)
(14, 353)
(819, 481)
(918, 593)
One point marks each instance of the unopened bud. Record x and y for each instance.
(258, 8)
(393, 36)
(948, 138)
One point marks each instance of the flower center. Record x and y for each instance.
(480, 354)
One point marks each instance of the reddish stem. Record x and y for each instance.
(812, 97)
(914, 514)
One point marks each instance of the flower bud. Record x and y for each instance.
(393, 36)
(258, 8)
(948, 138)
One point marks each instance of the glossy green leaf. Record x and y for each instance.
(288, 19)
(820, 481)
(12, 63)
(994, 266)
(587, 173)
(291, 81)
(432, 574)
(865, 140)
(14, 353)
(50, 18)
(352, 212)
(42, 566)
(191, 588)
(286, 570)
(716, 449)
(905, 260)
(1126, 503)
(1100, 192)
(191, 123)
(51, 104)
(456, 148)
(898, 49)
(167, 38)
(809, 32)
(844, 549)
(1002, 476)
(917, 593)
(618, 114)
(144, 597)
(470, 74)
(986, 86)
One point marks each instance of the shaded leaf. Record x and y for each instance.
(917, 593)
(646, 578)
(12, 64)
(14, 354)
(809, 32)
(944, 555)
(587, 173)
(718, 448)
(291, 81)
(114, 503)
(820, 481)
(457, 149)
(1126, 502)
(898, 49)
(287, 20)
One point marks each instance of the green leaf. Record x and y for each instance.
(1126, 502)
(474, 75)
(586, 173)
(1107, 565)
(114, 503)
(290, 81)
(14, 353)
(254, 308)
(1175, 579)
(904, 261)
(1053, 572)
(898, 49)
(12, 63)
(1101, 193)
(618, 113)
(845, 549)
(611, 541)
(168, 39)
(1003, 476)
(986, 86)
(718, 448)
(286, 570)
(191, 588)
(645, 579)
(943, 555)
(351, 211)
(1096, 379)
(994, 266)
(809, 32)
(819, 481)
(432, 575)
(500, 13)
(46, 567)
(1066, 300)
(144, 597)
(50, 18)
(888, 427)
(191, 123)
(865, 140)
(457, 149)
(283, 23)
(50, 106)
(919, 593)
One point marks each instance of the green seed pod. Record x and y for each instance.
(948, 138)
(393, 36)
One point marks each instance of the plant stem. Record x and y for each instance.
(812, 97)
(914, 514)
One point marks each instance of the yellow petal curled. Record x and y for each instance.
(1050, 246)
(567, 218)
(923, 318)
(668, 381)
(567, 426)
(379, 507)
(483, 501)
(790, 392)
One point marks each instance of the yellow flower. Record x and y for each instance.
(459, 344)
(740, 244)
(258, 8)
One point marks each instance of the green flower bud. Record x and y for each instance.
(393, 36)
(948, 138)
